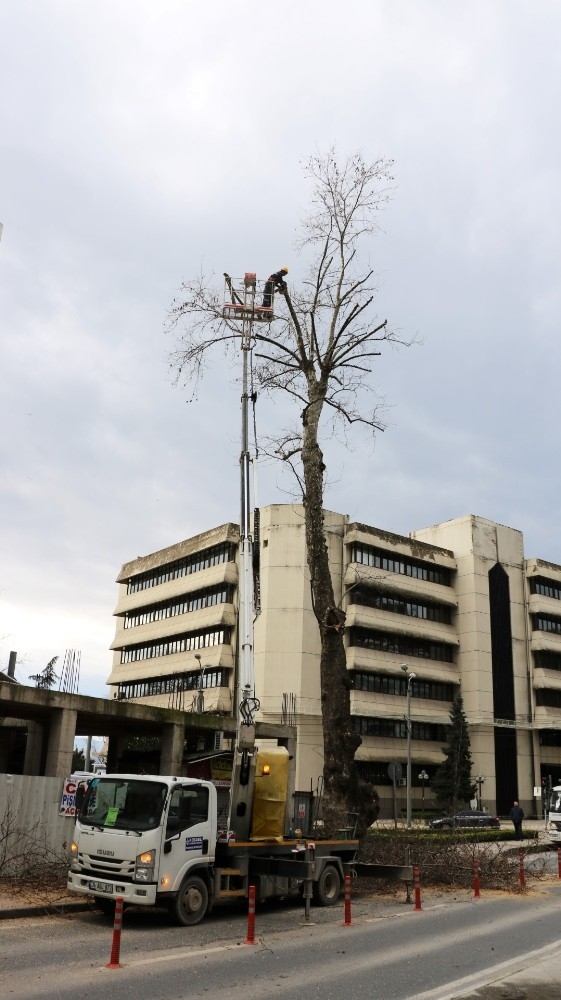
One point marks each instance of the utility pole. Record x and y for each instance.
(410, 678)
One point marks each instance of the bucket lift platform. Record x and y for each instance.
(244, 298)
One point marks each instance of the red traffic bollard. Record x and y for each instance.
(116, 943)
(476, 892)
(522, 871)
(250, 939)
(559, 861)
(417, 886)
(347, 921)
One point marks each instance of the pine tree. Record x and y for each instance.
(452, 784)
(47, 678)
(78, 760)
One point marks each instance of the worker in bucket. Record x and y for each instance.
(274, 283)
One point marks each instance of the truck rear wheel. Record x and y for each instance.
(191, 903)
(327, 889)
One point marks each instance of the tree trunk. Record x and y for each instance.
(340, 742)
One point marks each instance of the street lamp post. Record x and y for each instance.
(410, 678)
(201, 692)
(422, 778)
(479, 779)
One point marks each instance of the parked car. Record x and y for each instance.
(467, 818)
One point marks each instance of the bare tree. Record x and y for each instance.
(320, 352)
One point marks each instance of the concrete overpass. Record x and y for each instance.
(54, 720)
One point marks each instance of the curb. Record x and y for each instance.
(45, 910)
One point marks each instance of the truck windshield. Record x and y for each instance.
(123, 803)
(555, 803)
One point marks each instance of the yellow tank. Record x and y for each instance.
(269, 794)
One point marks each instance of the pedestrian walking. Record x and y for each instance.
(517, 815)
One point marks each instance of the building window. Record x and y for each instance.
(394, 563)
(226, 552)
(189, 681)
(176, 644)
(548, 698)
(550, 737)
(547, 659)
(366, 725)
(370, 598)
(546, 588)
(377, 773)
(180, 606)
(546, 623)
(388, 684)
(387, 642)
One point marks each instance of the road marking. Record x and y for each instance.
(490, 976)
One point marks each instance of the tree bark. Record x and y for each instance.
(340, 742)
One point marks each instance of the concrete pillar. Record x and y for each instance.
(62, 730)
(171, 754)
(33, 748)
(115, 746)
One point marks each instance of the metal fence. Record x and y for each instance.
(30, 821)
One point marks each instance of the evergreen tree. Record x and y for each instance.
(47, 678)
(78, 760)
(452, 784)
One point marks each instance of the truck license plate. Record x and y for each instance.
(101, 886)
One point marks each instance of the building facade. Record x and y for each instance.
(458, 603)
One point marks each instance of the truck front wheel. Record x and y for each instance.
(107, 906)
(191, 903)
(327, 889)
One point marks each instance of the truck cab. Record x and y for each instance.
(147, 839)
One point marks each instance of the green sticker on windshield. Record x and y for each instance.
(111, 817)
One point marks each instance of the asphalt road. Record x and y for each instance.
(391, 958)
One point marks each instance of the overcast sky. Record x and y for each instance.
(143, 140)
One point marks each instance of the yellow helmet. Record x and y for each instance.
(284, 270)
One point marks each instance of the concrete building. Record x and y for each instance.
(457, 602)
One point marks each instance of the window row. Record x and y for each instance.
(387, 684)
(548, 698)
(546, 623)
(190, 681)
(404, 645)
(377, 773)
(397, 729)
(394, 563)
(177, 644)
(180, 606)
(544, 587)
(213, 556)
(371, 598)
(547, 659)
(550, 738)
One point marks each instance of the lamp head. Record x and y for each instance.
(412, 677)
(404, 667)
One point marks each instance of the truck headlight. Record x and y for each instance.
(74, 866)
(144, 871)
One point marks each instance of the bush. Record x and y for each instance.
(447, 859)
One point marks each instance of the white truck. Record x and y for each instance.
(154, 840)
